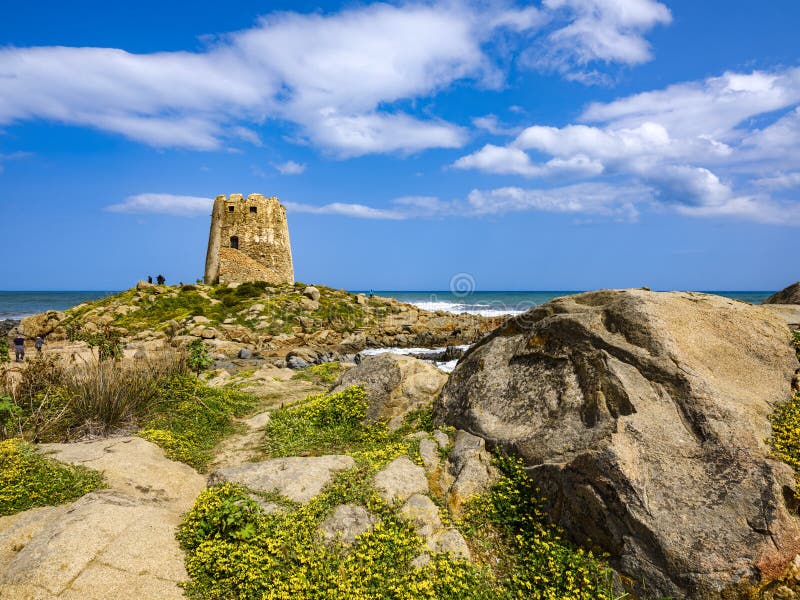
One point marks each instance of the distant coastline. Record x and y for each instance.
(19, 304)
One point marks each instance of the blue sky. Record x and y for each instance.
(561, 144)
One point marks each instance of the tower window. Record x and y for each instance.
(253, 209)
(235, 242)
(230, 208)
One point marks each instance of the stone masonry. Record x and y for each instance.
(249, 241)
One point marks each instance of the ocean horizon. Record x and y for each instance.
(22, 303)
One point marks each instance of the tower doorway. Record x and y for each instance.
(235, 242)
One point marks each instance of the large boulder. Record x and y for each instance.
(788, 295)
(395, 384)
(642, 416)
(42, 324)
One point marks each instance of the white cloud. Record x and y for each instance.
(164, 204)
(780, 181)
(358, 211)
(598, 31)
(291, 167)
(694, 144)
(341, 79)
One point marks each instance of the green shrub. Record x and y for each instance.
(530, 558)
(198, 359)
(323, 424)
(4, 350)
(188, 418)
(785, 440)
(28, 479)
(324, 374)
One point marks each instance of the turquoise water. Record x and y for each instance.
(15, 305)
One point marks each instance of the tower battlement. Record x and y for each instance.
(249, 241)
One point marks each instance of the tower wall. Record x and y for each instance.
(249, 240)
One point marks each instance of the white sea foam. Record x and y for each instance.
(447, 366)
(484, 310)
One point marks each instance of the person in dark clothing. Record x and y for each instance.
(160, 280)
(149, 279)
(19, 348)
(37, 343)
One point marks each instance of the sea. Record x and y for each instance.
(15, 305)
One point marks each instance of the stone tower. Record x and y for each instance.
(249, 241)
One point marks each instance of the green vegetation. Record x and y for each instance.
(198, 359)
(529, 556)
(28, 479)
(188, 418)
(172, 408)
(234, 550)
(785, 440)
(162, 307)
(54, 403)
(325, 374)
(107, 340)
(331, 424)
(4, 349)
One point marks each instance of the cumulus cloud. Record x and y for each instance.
(694, 144)
(291, 167)
(164, 204)
(342, 79)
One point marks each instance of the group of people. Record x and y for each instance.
(19, 346)
(160, 280)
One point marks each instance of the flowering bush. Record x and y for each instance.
(28, 479)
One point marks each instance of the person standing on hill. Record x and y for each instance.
(160, 280)
(19, 348)
(149, 279)
(37, 343)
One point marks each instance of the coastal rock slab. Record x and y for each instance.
(395, 384)
(400, 479)
(346, 523)
(642, 417)
(110, 543)
(298, 478)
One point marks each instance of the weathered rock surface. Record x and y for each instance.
(346, 523)
(400, 479)
(112, 543)
(788, 312)
(423, 514)
(42, 324)
(469, 470)
(788, 295)
(642, 416)
(298, 478)
(395, 384)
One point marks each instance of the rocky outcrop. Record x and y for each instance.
(788, 295)
(395, 384)
(642, 417)
(42, 324)
(112, 543)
